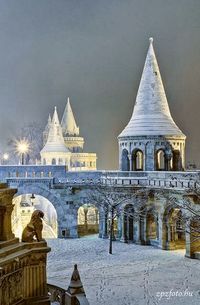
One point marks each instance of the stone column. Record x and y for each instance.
(123, 237)
(105, 226)
(162, 229)
(120, 158)
(119, 227)
(130, 162)
(136, 231)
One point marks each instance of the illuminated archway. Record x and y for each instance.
(160, 160)
(137, 160)
(174, 229)
(88, 220)
(23, 209)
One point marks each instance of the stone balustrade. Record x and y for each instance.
(175, 180)
(57, 177)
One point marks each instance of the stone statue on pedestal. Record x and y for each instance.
(34, 228)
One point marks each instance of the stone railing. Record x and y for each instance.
(57, 296)
(177, 180)
(17, 182)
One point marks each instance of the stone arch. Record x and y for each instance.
(177, 162)
(23, 209)
(174, 229)
(160, 159)
(193, 237)
(137, 160)
(152, 227)
(60, 161)
(46, 193)
(88, 220)
(125, 160)
(128, 222)
(53, 161)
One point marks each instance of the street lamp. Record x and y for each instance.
(32, 198)
(5, 158)
(22, 147)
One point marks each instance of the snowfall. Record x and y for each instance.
(132, 275)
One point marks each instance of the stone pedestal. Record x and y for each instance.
(22, 265)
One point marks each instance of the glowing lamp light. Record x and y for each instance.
(5, 156)
(22, 148)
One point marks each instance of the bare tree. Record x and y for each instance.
(112, 200)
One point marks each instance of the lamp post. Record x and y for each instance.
(5, 158)
(32, 198)
(22, 148)
(111, 225)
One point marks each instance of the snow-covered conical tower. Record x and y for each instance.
(151, 140)
(55, 152)
(68, 122)
(70, 130)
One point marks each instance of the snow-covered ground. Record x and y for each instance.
(133, 275)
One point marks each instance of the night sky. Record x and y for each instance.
(93, 51)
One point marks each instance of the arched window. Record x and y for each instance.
(177, 163)
(60, 161)
(44, 162)
(137, 160)
(125, 160)
(53, 161)
(160, 160)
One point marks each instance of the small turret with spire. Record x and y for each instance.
(68, 122)
(55, 151)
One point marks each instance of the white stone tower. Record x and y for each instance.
(70, 130)
(151, 140)
(54, 151)
(64, 144)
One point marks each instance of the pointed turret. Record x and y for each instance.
(151, 114)
(55, 140)
(151, 140)
(76, 286)
(68, 122)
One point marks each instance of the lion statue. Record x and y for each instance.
(34, 228)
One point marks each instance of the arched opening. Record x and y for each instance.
(88, 220)
(125, 160)
(174, 228)
(194, 240)
(23, 209)
(137, 160)
(128, 223)
(160, 160)
(60, 161)
(177, 164)
(53, 161)
(152, 228)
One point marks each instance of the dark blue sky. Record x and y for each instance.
(94, 52)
